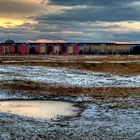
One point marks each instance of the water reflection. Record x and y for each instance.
(38, 109)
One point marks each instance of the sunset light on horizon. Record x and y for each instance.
(77, 21)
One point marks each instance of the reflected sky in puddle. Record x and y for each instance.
(39, 109)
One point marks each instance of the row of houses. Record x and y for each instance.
(38, 49)
(10, 47)
(105, 48)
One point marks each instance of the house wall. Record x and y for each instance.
(23, 49)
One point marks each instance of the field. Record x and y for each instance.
(106, 88)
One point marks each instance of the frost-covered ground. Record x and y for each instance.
(97, 122)
(67, 77)
(108, 118)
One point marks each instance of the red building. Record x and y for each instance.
(11, 49)
(76, 49)
(1, 50)
(37, 49)
(23, 49)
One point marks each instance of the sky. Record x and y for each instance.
(70, 20)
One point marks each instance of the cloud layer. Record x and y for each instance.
(70, 20)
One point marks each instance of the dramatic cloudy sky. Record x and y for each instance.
(70, 20)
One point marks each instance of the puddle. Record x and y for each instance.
(39, 109)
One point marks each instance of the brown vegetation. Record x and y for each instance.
(113, 64)
(32, 88)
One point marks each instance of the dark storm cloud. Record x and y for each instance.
(96, 10)
(91, 14)
(89, 2)
(78, 20)
(74, 20)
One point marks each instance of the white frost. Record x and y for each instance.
(67, 77)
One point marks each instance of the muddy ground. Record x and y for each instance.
(109, 110)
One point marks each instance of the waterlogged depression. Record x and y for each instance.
(67, 77)
(39, 109)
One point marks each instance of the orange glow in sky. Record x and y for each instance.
(58, 20)
(11, 22)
